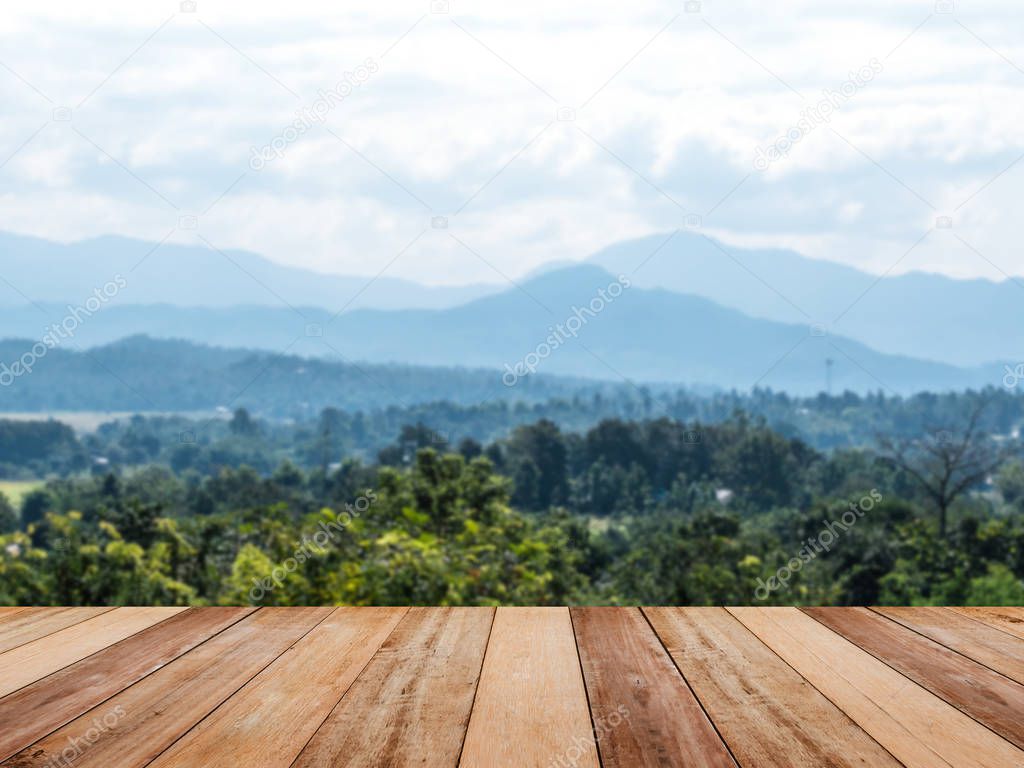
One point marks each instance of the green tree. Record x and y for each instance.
(8, 516)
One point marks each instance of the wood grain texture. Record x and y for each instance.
(531, 706)
(269, 721)
(767, 712)
(643, 712)
(49, 703)
(917, 727)
(411, 704)
(388, 687)
(143, 720)
(30, 624)
(987, 645)
(976, 690)
(39, 658)
(1006, 619)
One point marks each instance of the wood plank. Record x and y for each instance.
(974, 689)
(987, 645)
(7, 611)
(531, 705)
(643, 712)
(1007, 619)
(37, 709)
(143, 720)
(916, 726)
(411, 704)
(26, 626)
(32, 661)
(269, 721)
(767, 713)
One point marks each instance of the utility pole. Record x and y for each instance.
(828, 375)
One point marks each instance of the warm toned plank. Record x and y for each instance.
(531, 706)
(1007, 619)
(989, 646)
(39, 708)
(143, 720)
(28, 625)
(767, 713)
(976, 690)
(917, 727)
(7, 611)
(411, 704)
(643, 712)
(32, 661)
(270, 720)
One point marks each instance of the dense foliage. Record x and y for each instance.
(628, 511)
(208, 443)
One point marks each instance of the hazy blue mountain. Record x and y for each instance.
(280, 329)
(241, 299)
(962, 322)
(145, 374)
(195, 275)
(644, 335)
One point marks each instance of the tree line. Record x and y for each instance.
(628, 511)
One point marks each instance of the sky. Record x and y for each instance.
(459, 142)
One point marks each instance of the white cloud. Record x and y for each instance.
(680, 114)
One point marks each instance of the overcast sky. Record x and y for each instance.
(542, 131)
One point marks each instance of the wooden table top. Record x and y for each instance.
(518, 687)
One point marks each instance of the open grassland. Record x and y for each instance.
(89, 421)
(15, 490)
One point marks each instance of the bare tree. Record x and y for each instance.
(947, 463)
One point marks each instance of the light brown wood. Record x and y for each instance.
(1006, 619)
(269, 721)
(388, 687)
(987, 696)
(992, 647)
(31, 624)
(143, 720)
(38, 708)
(8, 611)
(531, 706)
(768, 713)
(644, 713)
(413, 700)
(39, 658)
(916, 726)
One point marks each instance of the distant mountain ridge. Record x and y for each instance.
(961, 322)
(239, 299)
(637, 336)
(645, 335)
(196, 276)
(158, 375)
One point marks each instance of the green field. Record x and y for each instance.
(14, 490)
(89, 421)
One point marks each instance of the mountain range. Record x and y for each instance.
(697, 312)
(960, 322)
(200, 275)
(159, 375)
